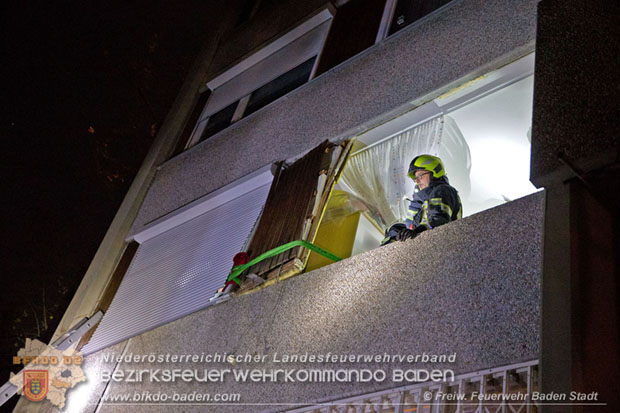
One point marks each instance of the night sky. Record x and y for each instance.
(85, 87)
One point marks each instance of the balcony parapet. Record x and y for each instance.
(470, 288)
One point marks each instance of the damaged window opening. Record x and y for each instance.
(480, 130)
(292, 213)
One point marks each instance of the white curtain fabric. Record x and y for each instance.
(377, 175)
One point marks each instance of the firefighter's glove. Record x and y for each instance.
(392, 233)
(406, 233)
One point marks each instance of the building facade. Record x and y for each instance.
(297, 105)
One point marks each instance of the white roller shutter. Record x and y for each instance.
(175, 272)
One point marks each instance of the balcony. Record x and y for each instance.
(469, 288)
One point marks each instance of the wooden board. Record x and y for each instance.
(294, 207)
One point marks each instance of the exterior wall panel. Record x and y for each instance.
(577, 99)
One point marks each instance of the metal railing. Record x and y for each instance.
(505, 389)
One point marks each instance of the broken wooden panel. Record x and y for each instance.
(293, 209)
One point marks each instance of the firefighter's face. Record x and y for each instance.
(422, 179)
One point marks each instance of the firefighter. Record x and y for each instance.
(435, 202)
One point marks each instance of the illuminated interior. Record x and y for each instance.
(483, 138)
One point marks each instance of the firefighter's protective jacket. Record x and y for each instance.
(435, 205)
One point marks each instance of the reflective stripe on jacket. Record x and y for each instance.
(433, 206)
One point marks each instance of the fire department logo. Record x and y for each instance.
(35, 384)
(48, 374)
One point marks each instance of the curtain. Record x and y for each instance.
(378, 174)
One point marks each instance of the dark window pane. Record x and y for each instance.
(219, 120)
(191, 122)
(280, 86)
(408, 11)
(353, 29)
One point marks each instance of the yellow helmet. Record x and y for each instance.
(428, 163)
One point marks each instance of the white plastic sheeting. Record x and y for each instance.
(378, 174)
(175, 273)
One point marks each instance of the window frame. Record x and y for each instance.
(388, 17)
(493, 80)
(459, 95)
(235, 73)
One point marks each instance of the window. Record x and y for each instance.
(219, 121)
(354, 29)
(408, 11)
(480, 130)
(182, 260)
(184, 257)
(268, 74)
(280, 86)
(188, 128)
(398, 14)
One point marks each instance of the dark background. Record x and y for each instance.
(85, 87)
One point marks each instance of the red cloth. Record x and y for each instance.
(241, 258)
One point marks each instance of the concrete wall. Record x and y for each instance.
(470, 287)
(577, 93)
(465, 40)
(575, 132)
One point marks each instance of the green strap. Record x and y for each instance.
(237, 270)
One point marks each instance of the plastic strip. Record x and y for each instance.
(234, 273)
